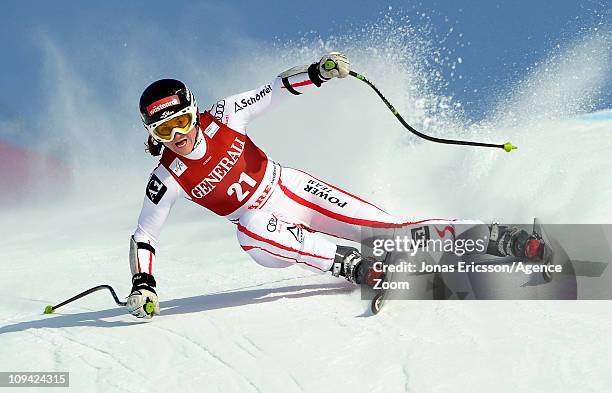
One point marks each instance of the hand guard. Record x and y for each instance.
(333, 65)
(142, 302)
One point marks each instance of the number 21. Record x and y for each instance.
(236, 188)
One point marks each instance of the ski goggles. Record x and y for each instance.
(165, 131)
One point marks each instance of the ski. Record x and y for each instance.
(378, 302)
(379, 299)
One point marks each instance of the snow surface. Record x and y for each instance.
(229, 325)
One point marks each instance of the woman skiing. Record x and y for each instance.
(207, 157)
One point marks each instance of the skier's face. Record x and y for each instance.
(183, 143)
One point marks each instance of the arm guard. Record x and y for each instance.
(300, 76)
(140, 251)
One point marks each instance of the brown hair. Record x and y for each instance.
(153, 147)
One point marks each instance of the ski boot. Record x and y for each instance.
(349, 264)
(516, 242)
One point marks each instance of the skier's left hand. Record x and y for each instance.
(333, 65)
(143, 302)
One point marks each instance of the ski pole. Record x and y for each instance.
(51, 309)
(508, 147)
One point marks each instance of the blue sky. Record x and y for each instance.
(497, 40)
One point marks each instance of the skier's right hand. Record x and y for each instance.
(333, 65)
(143, 302)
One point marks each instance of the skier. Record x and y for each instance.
(278, 211)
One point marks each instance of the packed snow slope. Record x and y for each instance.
(229, 325)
